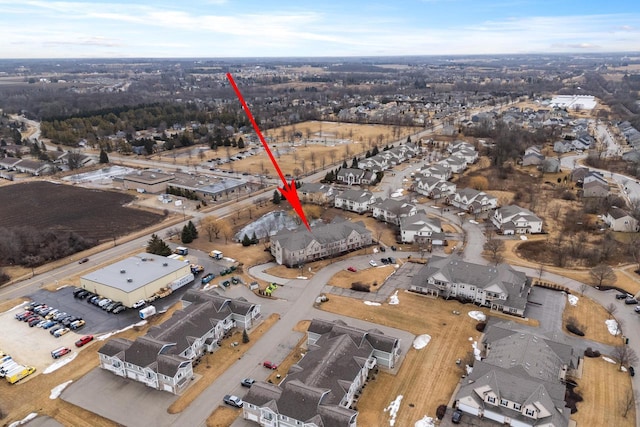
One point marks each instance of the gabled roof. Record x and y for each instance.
(356, 196)
(397, 207)
(617, 213)
(310, 187)
(420, 221)
(300, 238)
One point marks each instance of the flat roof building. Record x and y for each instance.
(148, 181)
(137, 277)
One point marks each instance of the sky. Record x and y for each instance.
(313, 28)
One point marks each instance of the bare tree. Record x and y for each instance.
(611, 309)
(625, 355)
(583, 288)
(602, 274)
(495, 248)
(628, 402)
(212, 226)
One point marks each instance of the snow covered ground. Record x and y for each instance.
(25, 420)
(476, 350)
(478, 315)
(393, 299)
(57, 390)
(393, 408)
(573, 300)
(60, 363)
(110, 334)
(425, 422)
(607, 359)
(612, 326)
(372, 303)
(421, 341)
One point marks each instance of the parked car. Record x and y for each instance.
(384, 261)
(372, 263)
(621, 296)
(84, 340)
(247, 382)
(67, 321)
(104, 302)
(119, 309)
(270, 365)
(83, 260)
(84, 294)
(61, 332)
(113, 306)
(55, 328)
(630, 301)
(232, 400)
(352, 269)
(59, 352)
(23, 315)
(139, 304)
(382, 249)
(49, 324)
(456, 417)
(392, 260)
(35, 321)
(77, 324)
(632, 371)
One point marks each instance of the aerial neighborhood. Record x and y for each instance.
(413, 243)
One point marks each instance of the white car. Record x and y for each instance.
(139, 304)
(372, 263)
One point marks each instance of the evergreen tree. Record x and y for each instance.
(374, 151)
(245, 336)
(186, 236)
(409, 138)
(157, 246)
(344, 164)
(240, 143)
(254, 239)
(354, 163)
(368, 154)
(193, 229)
(246, 241)
(276, 197)
(104, 158)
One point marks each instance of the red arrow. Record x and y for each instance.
(289, 191)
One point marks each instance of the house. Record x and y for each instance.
(9, 163)
(433, 187)
(551, 165)
(321, 389)
(519, 381)
(438, 171)
(319, 194)
(295, 247)
(457, 146)
(354, 200)
(32, 167)
(456, 164)
(499, 287)
(578, 174)
(351, 176)
(163, 358)
(473, 201)
(516, 220)
(532, 156)
(620, 220)
(392, 211)
(421, 229)
(469, 155)
(594, 185)
(375, 163)
(562, 147)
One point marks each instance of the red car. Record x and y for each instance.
(269, 365)
(85, 339)
(352, 269)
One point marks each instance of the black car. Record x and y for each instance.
(632, 371)
(630, 301)
(456, 417)
(247, 382)
(621, 296)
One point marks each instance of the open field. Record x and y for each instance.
(427, 377)
(94, 215)
(373, 276)
(591, 316)
(604, 389)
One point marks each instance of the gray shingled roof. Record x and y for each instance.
(144, 351)
(300, 238)
(115, 346)
(357, 196)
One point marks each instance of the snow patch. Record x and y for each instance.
(478, 315)
(476, 350)
(393, 299)
(421, 341)
(24, 420)
(60, 363)
(393, 408)
(372, 303)
(469, 369)
(607, 359)
(110, 334)
(623, 369)
(57, 390)
(425, 422)
(17, 306)
(612, 326)
(62, 287)
(573, 300)
(302, 277)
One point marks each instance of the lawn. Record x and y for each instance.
(590, 316)
(427, 377)
(373, 276)
(604, 389)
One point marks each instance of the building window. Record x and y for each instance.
(517, 406)
(530, 412)
(491, 399)
(504, 402)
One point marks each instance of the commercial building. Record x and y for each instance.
(137, 277)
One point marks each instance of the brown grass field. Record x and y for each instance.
(591, 316)
(604, 389)
(427, 377)
(369, 276)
